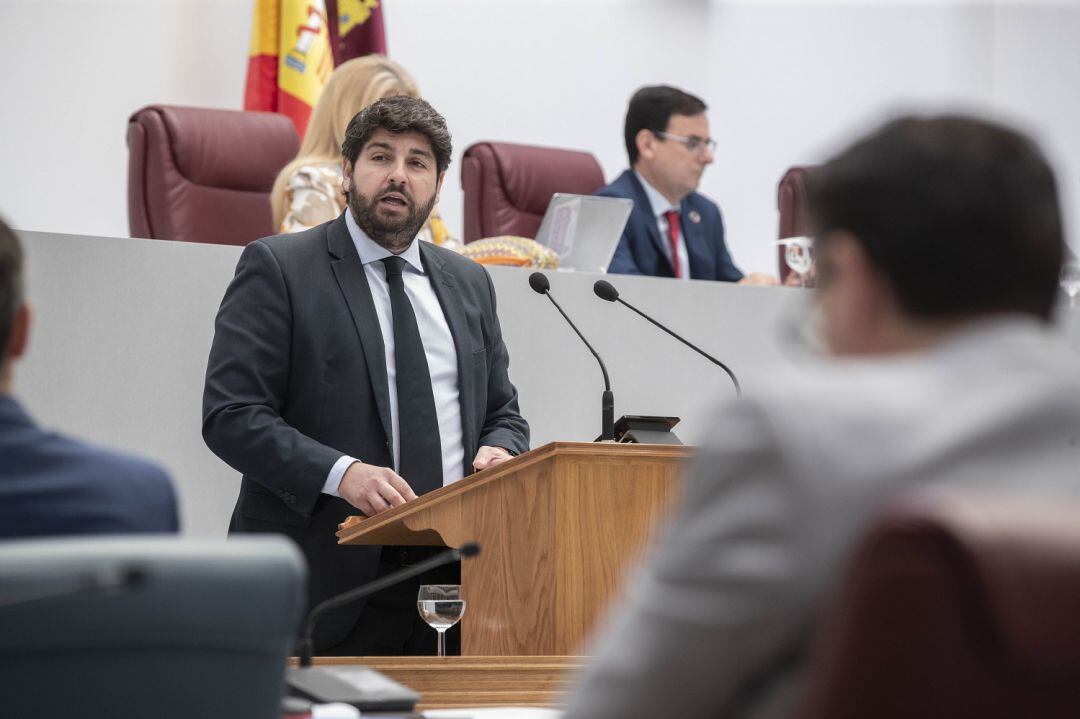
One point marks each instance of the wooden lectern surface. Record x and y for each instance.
(462, 682)
(558, 527)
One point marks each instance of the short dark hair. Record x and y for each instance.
(11, 282)
(960, 214)
(650, 109)
(399, 114)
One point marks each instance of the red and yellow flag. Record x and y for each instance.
(290, 58)
(359, 28)
(292, 53)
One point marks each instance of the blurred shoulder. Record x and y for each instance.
(621, 186)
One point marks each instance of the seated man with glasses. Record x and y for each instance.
(673, 231)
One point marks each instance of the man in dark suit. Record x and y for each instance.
(53, 485)
(355, 367)
(673, 231)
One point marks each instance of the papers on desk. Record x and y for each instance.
(494, 713)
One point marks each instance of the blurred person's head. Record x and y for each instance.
(354, 85)
(929, 223)
(14, 311)
(394, 158)
(667, 139)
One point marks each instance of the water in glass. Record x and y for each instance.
(1070, 280)
(441, 614)
(798, 257)
(441, 606)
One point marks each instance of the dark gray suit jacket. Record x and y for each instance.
(297, 378)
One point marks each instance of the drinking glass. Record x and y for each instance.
(441, 606)
(798, 255)
(1070, 280)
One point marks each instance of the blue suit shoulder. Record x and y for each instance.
(621, 186)
(62, 485)
(710, 211)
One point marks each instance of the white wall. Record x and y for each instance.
(785, 82)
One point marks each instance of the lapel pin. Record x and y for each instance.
(695, 217)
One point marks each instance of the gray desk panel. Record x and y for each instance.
(123, 327)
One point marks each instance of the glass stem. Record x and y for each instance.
(442, 642)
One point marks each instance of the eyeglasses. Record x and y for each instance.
(693, 143)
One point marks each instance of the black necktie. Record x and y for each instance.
(418, 425)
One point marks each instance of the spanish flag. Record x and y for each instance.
(292, 53)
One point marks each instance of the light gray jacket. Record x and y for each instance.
(715, 623)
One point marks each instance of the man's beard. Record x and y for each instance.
(393, 233)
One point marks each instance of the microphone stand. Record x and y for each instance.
(607, 401)
(703, 353)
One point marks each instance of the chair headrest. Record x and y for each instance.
(223, 148)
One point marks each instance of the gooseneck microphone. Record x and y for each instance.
(470, 549)
(606, 291)
(539, 282)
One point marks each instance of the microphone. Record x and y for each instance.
(539, 282)
(362, 687)
(606, 291)
(470, 549)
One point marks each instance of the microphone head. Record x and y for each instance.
(539, 282)
(471, 549)
(605, 290)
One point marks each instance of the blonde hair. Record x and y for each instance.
(354, 85)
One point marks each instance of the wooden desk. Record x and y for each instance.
(462, 682)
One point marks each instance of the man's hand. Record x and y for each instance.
(490, 456)
(757, 278)
(374, 489)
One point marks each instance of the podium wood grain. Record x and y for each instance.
(461, 682)
(558, 527)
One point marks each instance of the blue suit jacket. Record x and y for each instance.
(52, 485)
(641, 250)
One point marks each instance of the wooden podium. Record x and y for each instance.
(557, 528)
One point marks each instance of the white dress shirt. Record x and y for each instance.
(659, 205)
(438, 348)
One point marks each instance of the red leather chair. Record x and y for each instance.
(956, 606)
(201, 175)
(794, 215)
(507, 187)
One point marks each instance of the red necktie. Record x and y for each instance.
(672, 217)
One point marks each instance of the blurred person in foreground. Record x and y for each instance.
(673, 231)
(308, 191)
(938, 242)
(51, 484)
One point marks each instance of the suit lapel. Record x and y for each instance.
(644, 208)
(445, 286)
(352, 280)
(697, 252)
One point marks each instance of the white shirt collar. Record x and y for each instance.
(370, 251)
(657, 201)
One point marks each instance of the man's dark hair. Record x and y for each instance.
(11, 282)
(399, 114)
(651, 108)
(960, 215)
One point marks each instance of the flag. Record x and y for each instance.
(357, 26)
(290, 58)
